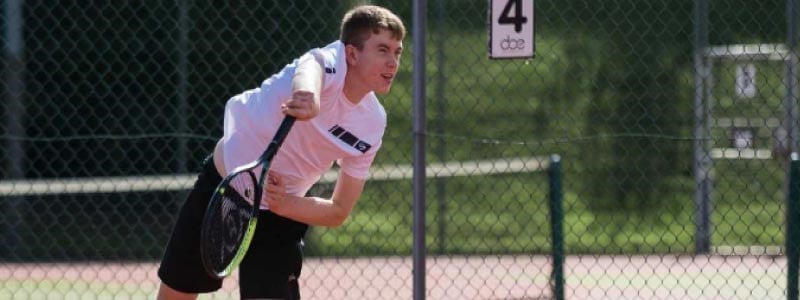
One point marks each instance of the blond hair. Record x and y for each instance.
(361, 21)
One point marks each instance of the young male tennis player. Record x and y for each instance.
(331, 91)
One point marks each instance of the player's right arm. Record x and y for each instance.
(306, 89)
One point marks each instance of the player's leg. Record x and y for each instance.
(167, 293)
(273, 263)
(181, 271)
(272, 274)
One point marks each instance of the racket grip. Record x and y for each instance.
(283, 130)
(280, 135)
(277, 140)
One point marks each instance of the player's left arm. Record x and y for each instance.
(316, 211)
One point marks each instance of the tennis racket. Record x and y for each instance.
(232, 213)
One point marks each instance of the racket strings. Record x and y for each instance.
(227, 221)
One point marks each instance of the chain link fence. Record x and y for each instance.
(673, 119)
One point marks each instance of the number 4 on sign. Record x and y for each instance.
(512, 29)
(517, 18)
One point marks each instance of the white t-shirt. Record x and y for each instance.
(347, 133)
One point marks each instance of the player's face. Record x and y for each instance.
(375, 65)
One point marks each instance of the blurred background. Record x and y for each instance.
(673, 120)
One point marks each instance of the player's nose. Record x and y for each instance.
(392, 62)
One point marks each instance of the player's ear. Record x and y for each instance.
(351, 53)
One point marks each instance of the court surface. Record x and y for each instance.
(448, 277)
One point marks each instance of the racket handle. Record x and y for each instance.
(283, 130)
(277, 141)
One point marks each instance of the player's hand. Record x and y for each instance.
(302, 106)
(275, 192)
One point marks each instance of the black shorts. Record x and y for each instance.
(269, 270)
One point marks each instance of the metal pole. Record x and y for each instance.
(792, 230)
(792, 180)
(14, 120)
(702, 159)
(790, 103)
(786, 139)
(15, 109)
(418, 79)
(557, 224)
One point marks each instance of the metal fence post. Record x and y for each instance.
(419, 251)
(556, 223)
(792, 230)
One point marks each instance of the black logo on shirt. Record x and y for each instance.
(330, 70)
(349, 138)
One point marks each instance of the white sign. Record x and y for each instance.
(742, 138)
(512, 31)
(746, 80)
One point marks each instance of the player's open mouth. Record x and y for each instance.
(388, 77)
